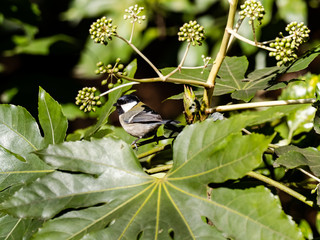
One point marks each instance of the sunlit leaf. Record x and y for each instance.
(20, 136)
(18, 228)
(106, 172)
(40, 46)
(54, 124)
(19, 132)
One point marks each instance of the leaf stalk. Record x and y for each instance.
(280, 186)
(221, 54)
(241, 106)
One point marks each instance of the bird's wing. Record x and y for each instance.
(145, 117)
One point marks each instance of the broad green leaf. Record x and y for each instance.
(232, 79)
(304, 61)
(19, 137)
(108, 107)
(306, 229)
(292, 157)
(107, 173)
(19, 132)
(16, 171)
(269, 115)
(17, 228)
(54, 124)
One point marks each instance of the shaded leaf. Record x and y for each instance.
(54, 124)
(198, 74)
(19, 136)
(292, 157)
(232, 79)
(40, 46)
(304, 61)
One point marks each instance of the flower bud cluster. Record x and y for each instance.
(102, 30)
(286, 47)
(205, 60)
(192, 32)
(252, 9)
(111, 70)
(87, 99)
(299, 32)
(133, 12)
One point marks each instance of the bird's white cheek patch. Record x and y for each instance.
(126, 107)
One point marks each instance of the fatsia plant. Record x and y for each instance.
(98, 188)
(200, 185)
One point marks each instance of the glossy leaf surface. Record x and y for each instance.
(54, 124)
(105, 178)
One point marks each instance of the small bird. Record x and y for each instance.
(138, 119)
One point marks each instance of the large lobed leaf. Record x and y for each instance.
(18, 228)
(19, 132)
(121, 201)
(19, 137)
(233, 79)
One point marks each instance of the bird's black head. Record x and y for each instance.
(126, 102)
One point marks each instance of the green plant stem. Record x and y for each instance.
(281, 187)
(172, 80)
(236, 28)
(253, 43)
(116, 88)
(181, 63)
(132, 31)
(143, 56)
(221, 54)
(309, 175)
(159, 169)
(153, 151)
(259, 104)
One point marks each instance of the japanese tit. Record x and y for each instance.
(138, 119)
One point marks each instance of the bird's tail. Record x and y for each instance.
(173, 126)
